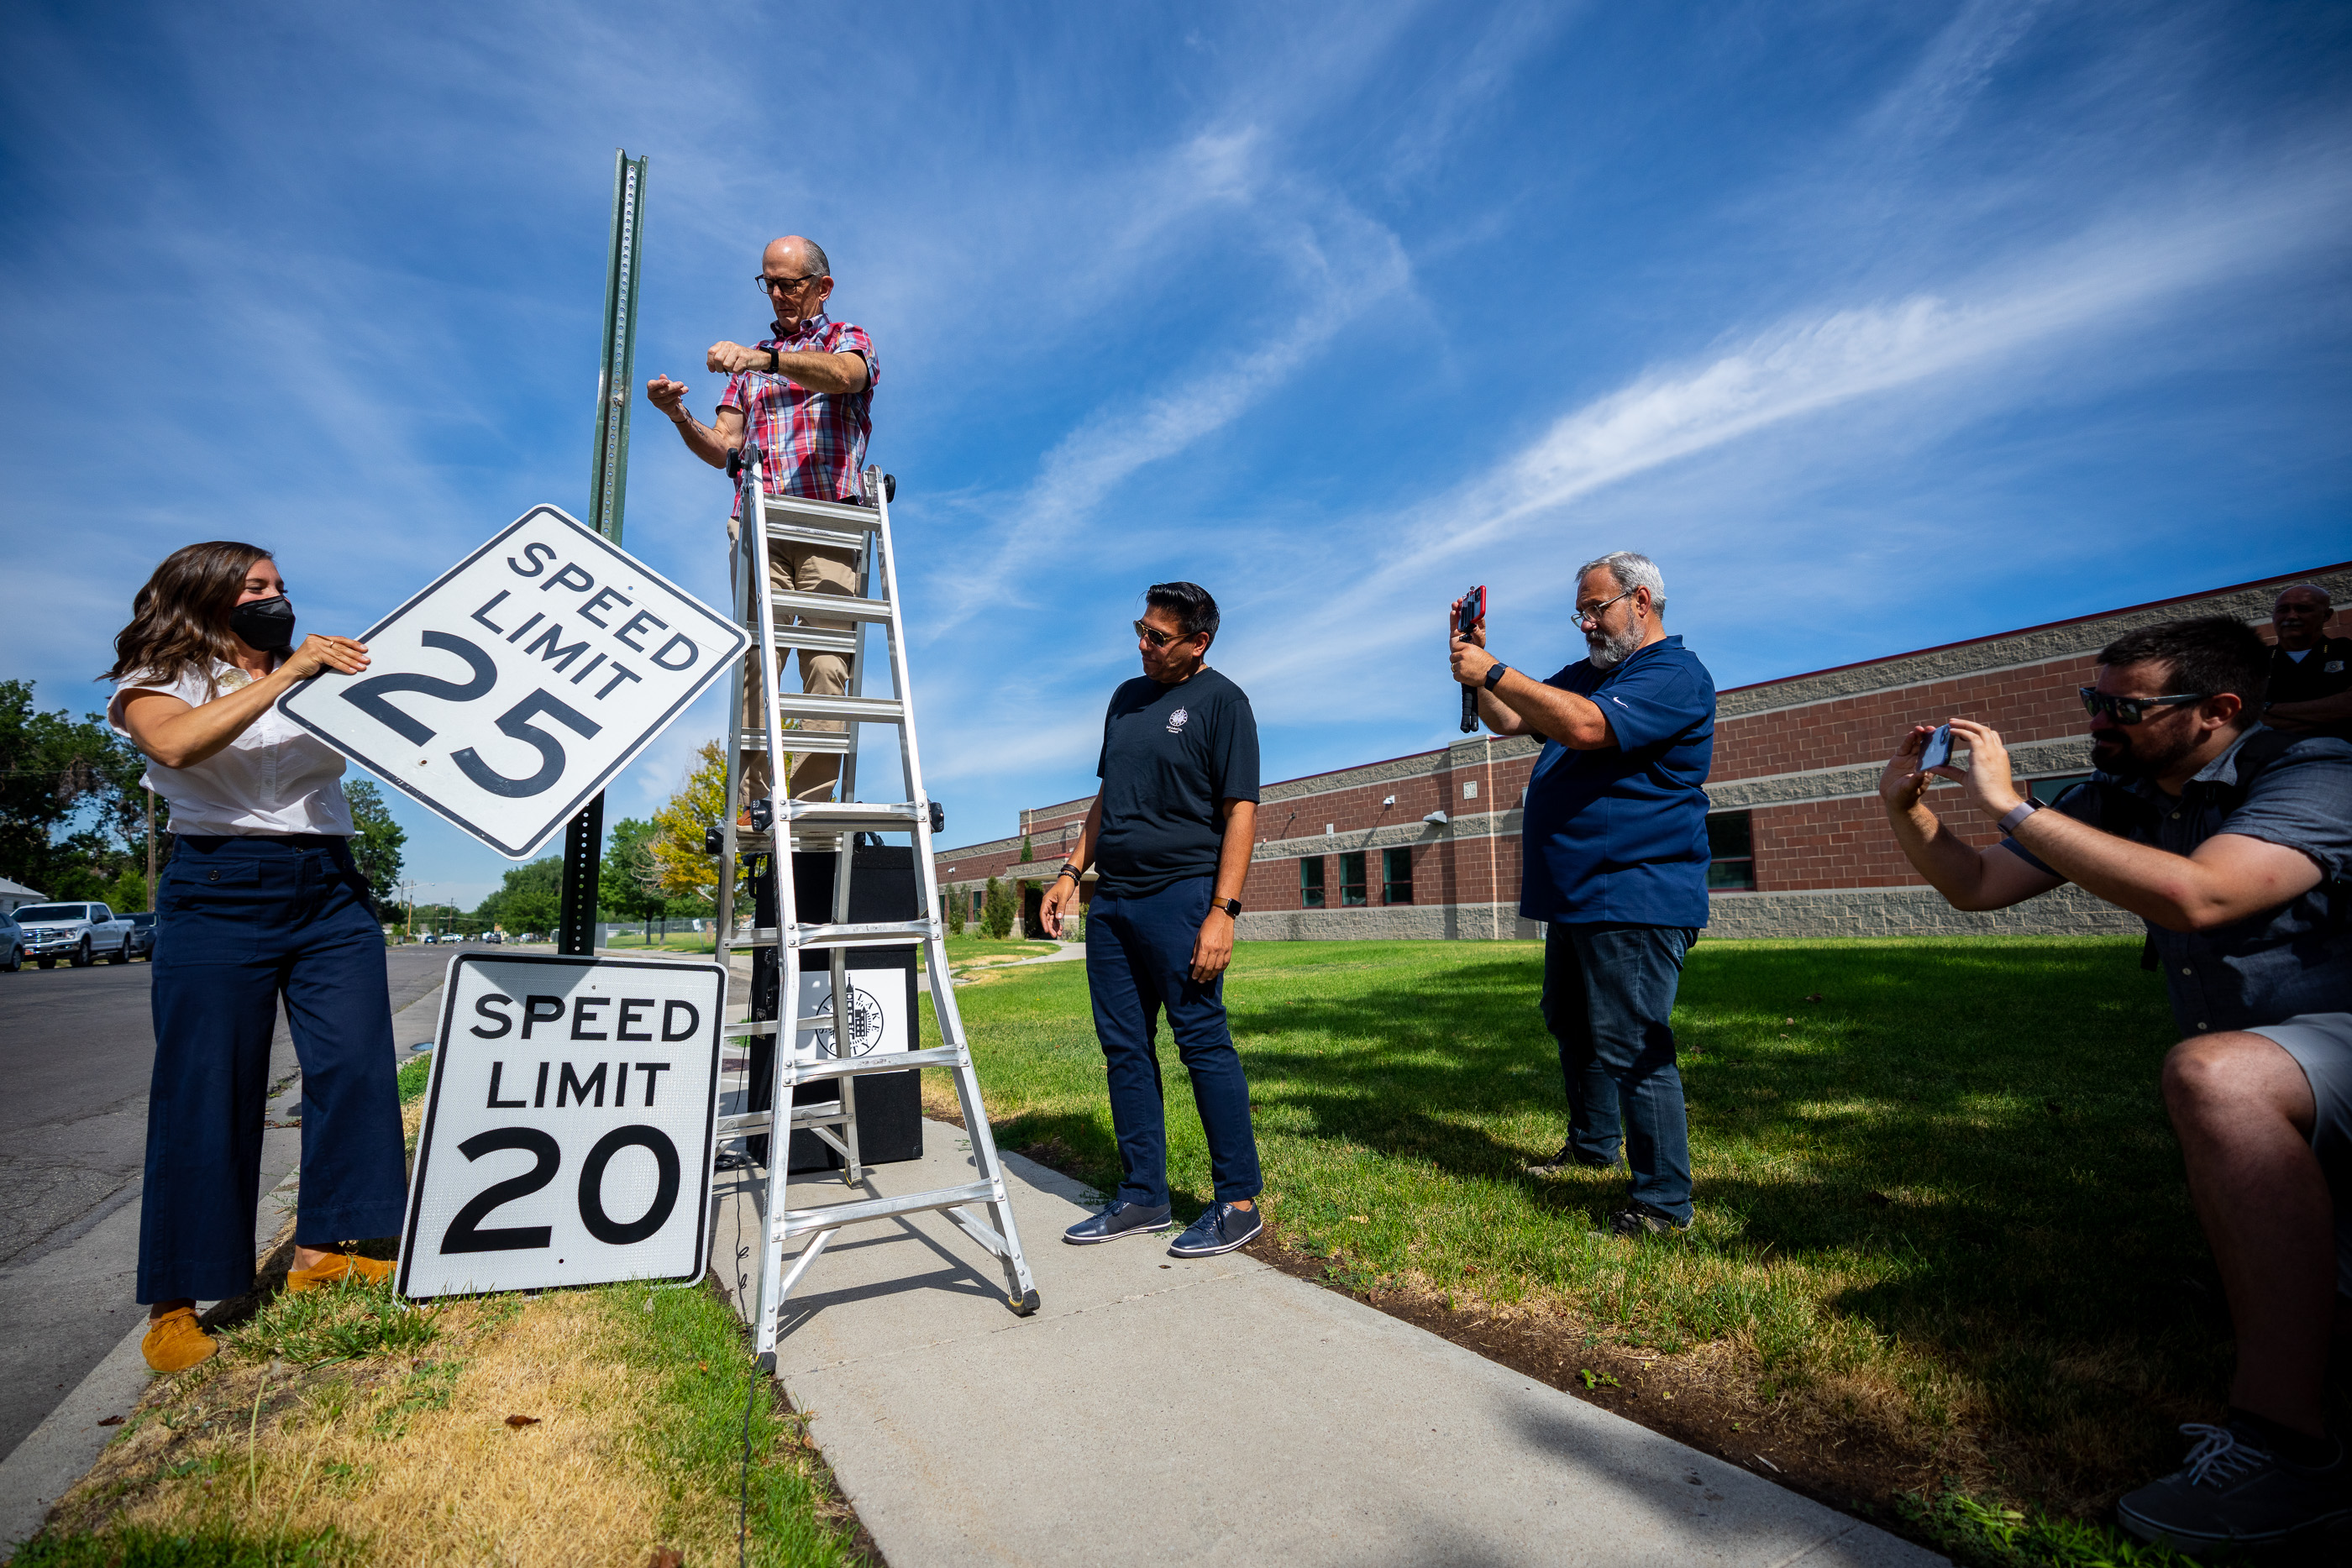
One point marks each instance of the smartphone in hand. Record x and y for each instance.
(1473, 610)
(1937, 752)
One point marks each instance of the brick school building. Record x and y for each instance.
(1428, 845)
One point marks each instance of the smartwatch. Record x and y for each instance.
(2017, 814)
(1496, 674)
(775, 363)
(1231, 906)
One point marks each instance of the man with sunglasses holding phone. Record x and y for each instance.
(1171, 832)
(2234, 842)
(804, 396)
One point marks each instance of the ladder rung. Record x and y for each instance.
(824, 514)
(801, 740)
(801, 1221)
(807, 705)
(747, 1029)
(828, 607)
(816, 638)
(825, 1068)
(872, 934)
(850, 816)
(832, 538)
(825, 1113)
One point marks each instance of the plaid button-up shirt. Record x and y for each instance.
(809, 444)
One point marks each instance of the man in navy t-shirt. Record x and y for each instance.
(1171, 832)
(1614, 836)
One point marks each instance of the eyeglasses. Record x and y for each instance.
(2131, 710)
(1158, 638)
(767, 285)
(1592, 612)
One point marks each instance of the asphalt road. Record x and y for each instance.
(76, 1047)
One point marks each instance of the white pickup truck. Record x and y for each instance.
(77, 932)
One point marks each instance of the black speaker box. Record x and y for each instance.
(889, 1106)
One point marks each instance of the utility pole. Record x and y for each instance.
(608, 483)
(151, 849)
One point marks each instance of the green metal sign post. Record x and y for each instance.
(583, 838)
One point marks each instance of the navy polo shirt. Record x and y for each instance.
(1618, 836)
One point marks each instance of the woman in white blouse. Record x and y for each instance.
(260, 902)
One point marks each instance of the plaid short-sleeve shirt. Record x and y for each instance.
(809, 444)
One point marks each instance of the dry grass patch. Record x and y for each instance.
(561, 1429)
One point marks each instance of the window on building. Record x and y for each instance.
(2047, 790)
(1353, 894)
(1396, 876)
(1311, 883)
(1731, 851)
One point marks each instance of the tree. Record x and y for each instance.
(71, 807)
(682, 868)
(531, 900)
(375, 848)
(955, 901)
(996, 910)
(626, 879)
(1026, 854)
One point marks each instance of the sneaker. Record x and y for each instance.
(1567, 1160)
(1640, 1219)
(2230, 1491)
(334, 1269)
(175, 1342)
(1221, 1228)
(1117, 1219)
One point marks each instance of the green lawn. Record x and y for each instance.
(964, 949)
(1940, 1209)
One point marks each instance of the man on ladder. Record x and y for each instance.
(804, 399)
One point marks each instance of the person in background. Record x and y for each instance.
(804, 396)
(2310, 688)
(2233, 843)
(1170, 829)
(1615, 866)
(260, 900)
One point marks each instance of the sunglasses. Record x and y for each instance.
(2130, 710)
(1154, 636)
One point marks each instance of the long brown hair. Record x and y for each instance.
(180, 619)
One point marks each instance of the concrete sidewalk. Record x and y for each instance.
(1165, 1411)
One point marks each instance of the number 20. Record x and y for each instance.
(372, 696)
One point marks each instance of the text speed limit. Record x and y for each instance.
(568, 1128)
(506, 694)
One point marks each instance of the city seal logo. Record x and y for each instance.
(1176, 720)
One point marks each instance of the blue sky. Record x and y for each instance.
(1878, 326)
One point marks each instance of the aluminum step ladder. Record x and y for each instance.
(782, 825)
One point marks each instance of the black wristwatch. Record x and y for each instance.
(1231, 906)
(1494, 673)
(775, 360)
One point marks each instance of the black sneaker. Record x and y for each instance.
(1640, 1219)
(1221, 1228)
(1567, 1160)
(1117, 1219)
(2232, 1493)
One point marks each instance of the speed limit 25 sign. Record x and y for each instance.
(568, 1126)
(506, 694)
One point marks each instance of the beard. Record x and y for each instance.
(1606, 651)
(2112, 752)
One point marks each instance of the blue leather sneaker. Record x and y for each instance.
(1221, 1228)
(1117, 1219)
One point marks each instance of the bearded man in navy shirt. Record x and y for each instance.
(1614, 839)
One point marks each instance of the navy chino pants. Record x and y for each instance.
(241, 922)
(1139, 964)
(1608, 993)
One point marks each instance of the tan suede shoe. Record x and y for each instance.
(175, 1342)
(334, 1269)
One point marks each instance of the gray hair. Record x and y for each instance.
(812, 257)
(1632, 569)
(2325, 597)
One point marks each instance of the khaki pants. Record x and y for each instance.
(802, 569)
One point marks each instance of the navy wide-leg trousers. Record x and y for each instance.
(242, 921)
(1139, 964)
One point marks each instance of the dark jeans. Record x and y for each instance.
(1608, 993)
(241, 922)
(1139, 958)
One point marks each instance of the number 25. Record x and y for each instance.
(372, 697)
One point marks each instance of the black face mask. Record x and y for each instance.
(265, 623)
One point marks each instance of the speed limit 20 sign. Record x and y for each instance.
(505, 694)
(568, 1126)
